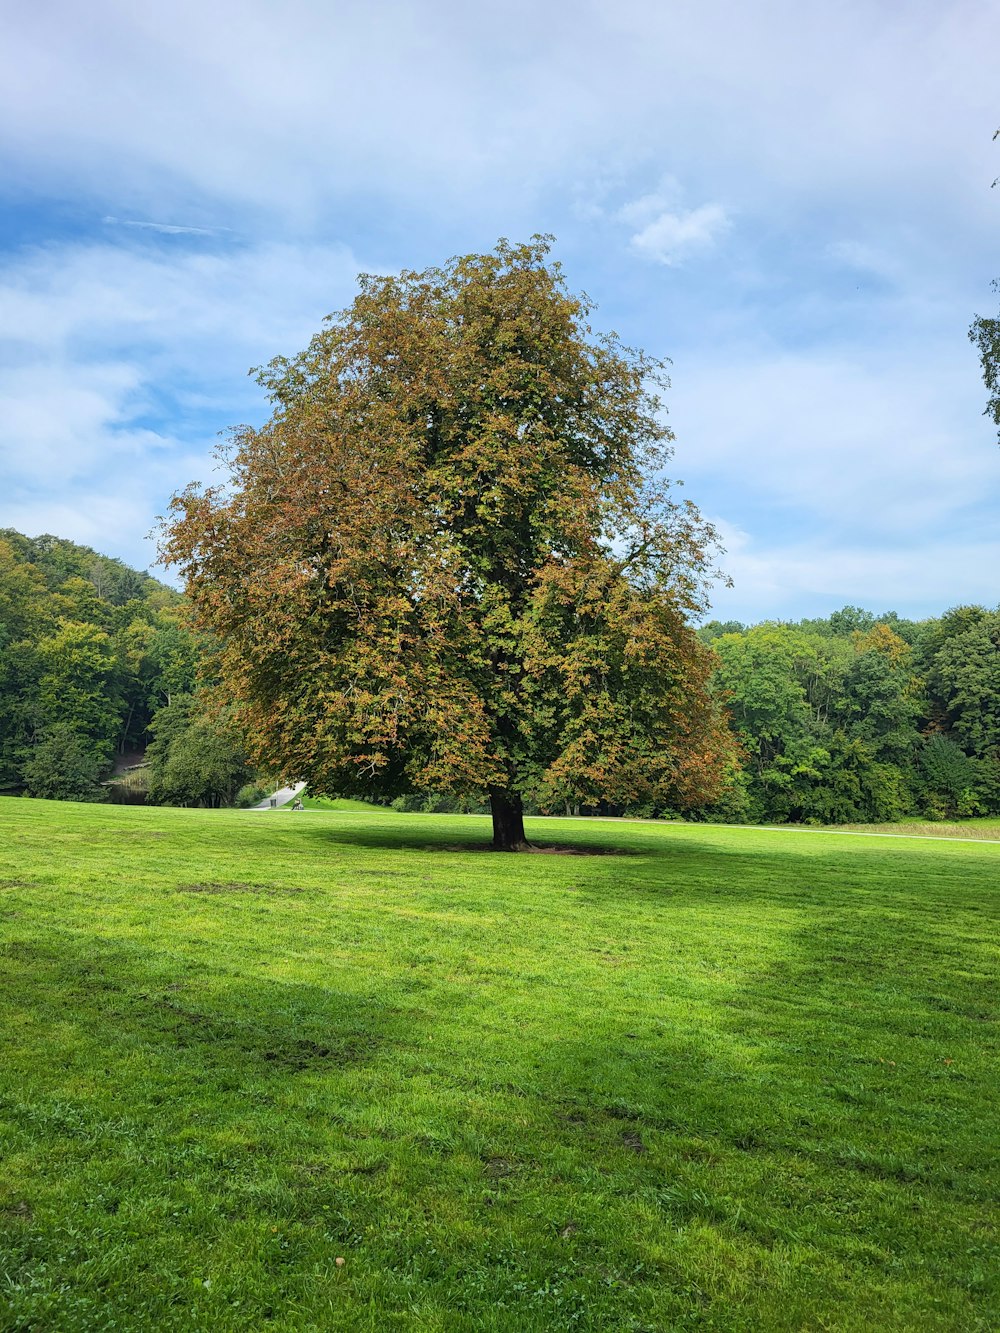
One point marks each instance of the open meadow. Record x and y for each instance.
(713, 1078)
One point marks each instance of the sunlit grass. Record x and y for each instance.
(724, 1079)
(337, 803)
(987, 829)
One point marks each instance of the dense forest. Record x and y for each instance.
(863, 718)
(99, 672)
(105, 690)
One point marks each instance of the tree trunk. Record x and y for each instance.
(128, 723)
(508, 821)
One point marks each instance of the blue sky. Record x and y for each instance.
(792, 202)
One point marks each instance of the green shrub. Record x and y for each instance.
(251, 793)
(66, 766)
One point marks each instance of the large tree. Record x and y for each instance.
(450, 560)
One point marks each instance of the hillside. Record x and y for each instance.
(97, 662)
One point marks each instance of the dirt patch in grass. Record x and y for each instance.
(382, 874)
(619, 1112)
(633, 1141)
(237, 886)
(536, 851)
(218, 1036)
(499, 1168)
(18, 884)
(307, 1054)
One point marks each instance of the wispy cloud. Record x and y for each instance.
(865, 258)
(225, 102)
(167, 228)
(875, 446)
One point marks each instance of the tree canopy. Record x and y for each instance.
(858, 718)
(90, 650)
(450, 560)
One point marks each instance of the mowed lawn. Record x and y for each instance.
(721, 1079)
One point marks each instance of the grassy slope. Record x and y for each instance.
(340, 803)
(734, 1080)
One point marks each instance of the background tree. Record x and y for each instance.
(196, 757)
(448, 562)
(65, 765)
(90, 650)
(827, 712)
(968, 668)
(77, 684)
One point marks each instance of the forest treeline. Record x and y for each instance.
(98, 665)
(862, 718)
(855, 718)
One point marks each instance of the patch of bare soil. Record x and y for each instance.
(498, 1168)
(381, 874)
(633, 1141)
(532, 850)
(235, 886)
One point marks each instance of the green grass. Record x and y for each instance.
(342, 804)
(988, 828)
(728, 1079)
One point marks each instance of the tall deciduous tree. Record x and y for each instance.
(449, 560)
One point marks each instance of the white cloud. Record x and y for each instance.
(61, 421)
(670, 238)
(886, 444)
(815, 577)
(121, 365)
(252, 301)
(437, 103)
(666, 231)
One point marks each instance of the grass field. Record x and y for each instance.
(725, 1079)
(342, 804)
(988, 829)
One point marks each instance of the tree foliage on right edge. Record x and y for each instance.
(985, 334)
(449, 561)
